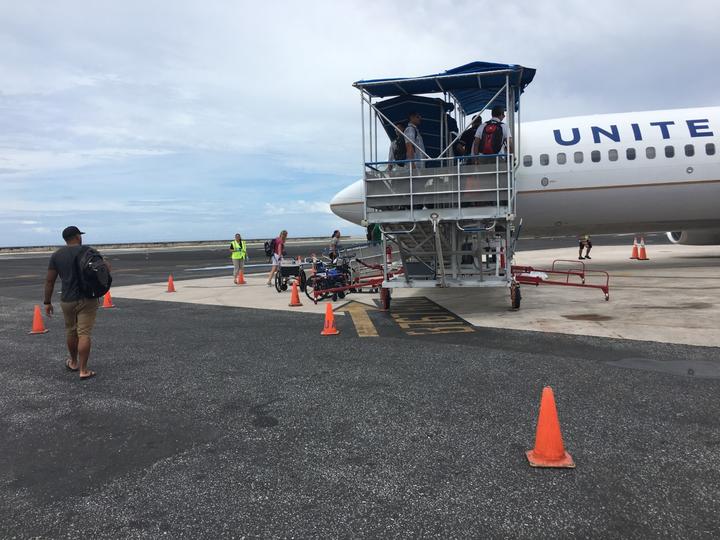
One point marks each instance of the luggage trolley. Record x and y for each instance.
(450, 220)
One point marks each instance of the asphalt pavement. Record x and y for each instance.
(216, 422)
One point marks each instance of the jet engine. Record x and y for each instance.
(704, 237)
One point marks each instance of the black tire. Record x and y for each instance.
(278, 282)
(385, 299)
(515, 296)
(341, 295)
(310, 285)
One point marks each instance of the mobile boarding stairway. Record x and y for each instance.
(451, 220)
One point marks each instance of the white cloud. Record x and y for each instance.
(299, 207)
(105, 84)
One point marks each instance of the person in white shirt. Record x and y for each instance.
(487, 143)
(416, 148)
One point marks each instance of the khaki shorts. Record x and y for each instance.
(79, 316)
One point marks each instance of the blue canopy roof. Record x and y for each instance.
(472, 85)
(433, 112)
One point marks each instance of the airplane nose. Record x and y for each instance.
(348, 203)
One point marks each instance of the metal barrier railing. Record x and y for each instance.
(464, 183)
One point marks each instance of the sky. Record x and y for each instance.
(169, 120)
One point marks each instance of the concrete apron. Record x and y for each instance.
(674, 297)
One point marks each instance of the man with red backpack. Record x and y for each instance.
(493, 137)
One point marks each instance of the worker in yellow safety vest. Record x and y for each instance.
(239, 254)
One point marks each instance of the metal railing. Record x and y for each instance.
(463, 183)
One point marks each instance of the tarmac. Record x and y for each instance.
(225, 421)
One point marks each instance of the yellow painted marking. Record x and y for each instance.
(359, 313)
(422, 317)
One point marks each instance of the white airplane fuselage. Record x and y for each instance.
(609, 173)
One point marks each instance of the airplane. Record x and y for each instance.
(651, 171)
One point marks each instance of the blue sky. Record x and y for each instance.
(143, 121)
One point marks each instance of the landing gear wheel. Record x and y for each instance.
(385, 299)
(515, 296)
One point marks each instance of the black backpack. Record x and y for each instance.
(399, 148)
(93, 273)
(269, 247)
(492, 138)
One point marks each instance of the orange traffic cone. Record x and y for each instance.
(634, 254)
(329, 329)
(549, 450)
(294, 296)
(171, 284)
(643, 254)
(240, 280)
(107, 301)
(38, 326)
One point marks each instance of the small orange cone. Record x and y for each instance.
(38, 326)
(107, 301)
(171, 284)
(643, 254)
(329, 329)
(634, 254)
(240, 279)
(549, 450)
(294, 296)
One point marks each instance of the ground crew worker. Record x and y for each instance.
(239, 253)
(585, 243)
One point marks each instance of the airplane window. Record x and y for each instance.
(689, 150)
(669, 151)
(561, 158)
(595, 156)
(613, 155)
(710, 149)
(544, 159)
(578, 157)
(650, 152)
(630, 153)
(527, 161)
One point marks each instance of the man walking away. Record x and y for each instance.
(463, 147)
(493, 136)
(78, 301)
(239, 253)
